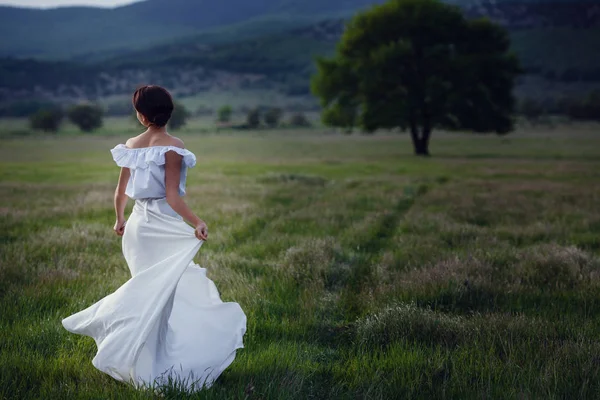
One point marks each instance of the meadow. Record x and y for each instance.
(365, 272)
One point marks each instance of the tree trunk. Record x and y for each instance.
(426, 134)
(419, 116)
(421, 147)
(420, 138)
(426, 130)
(414, 134)
(420, 141)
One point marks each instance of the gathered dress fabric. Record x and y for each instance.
(167, 323)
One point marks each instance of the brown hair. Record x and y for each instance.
(155, 103)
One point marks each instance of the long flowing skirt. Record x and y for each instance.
(167, 323)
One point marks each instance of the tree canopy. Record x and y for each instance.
(179, 117)
(224, 113)
(47, 120)
(88, 117)
(253, 118)
(273, 116)
(419, 65)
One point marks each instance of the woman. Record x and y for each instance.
(167, 323)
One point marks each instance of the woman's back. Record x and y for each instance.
(147, 167)
(144, 140)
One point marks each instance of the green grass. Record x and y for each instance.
(364, 272)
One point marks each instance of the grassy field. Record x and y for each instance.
(364, 272)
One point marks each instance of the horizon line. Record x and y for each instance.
(56, 7)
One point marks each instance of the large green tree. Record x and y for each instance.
(419, 65)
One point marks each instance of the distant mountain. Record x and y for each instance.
(71, 31)
(557, 43)
(82, 31)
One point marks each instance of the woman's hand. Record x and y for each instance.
(119, 227)
(201, 231)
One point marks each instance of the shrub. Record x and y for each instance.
(553, 267)
(312, 262)
(577, 111)
(531, 109)
(410, 323)
(273, 117)
(299, 120)
(88, 117)
(179, 117)
(47, 120)
(587, 109)
(224, 113)
(253, 118)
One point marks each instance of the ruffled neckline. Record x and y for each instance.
(141, 157)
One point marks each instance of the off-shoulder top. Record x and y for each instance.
(147, 166)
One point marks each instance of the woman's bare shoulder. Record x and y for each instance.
(175, 142)
(133, 142)
(141, 141)
(168, 141)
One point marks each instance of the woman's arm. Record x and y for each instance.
(121, 201)
(172, 178)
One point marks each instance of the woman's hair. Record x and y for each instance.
(155, 103)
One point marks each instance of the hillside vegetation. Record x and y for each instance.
(268, 46)
(83, 31)
(73, 31)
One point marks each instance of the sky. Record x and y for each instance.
(60, 3)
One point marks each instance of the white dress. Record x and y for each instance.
(167, 323)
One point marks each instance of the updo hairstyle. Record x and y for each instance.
(155, 103)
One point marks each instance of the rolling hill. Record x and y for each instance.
(80, 31)
(74, 31)
(266, 46)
